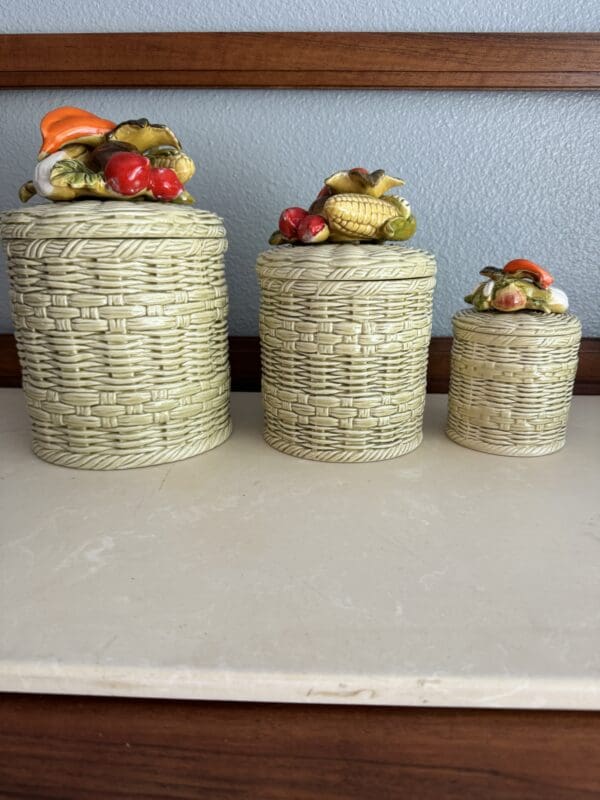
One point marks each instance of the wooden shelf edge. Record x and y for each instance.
(303, 60)
(244, 353)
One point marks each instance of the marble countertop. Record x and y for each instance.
(445, 577)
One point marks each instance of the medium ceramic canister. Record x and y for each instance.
(512, 380)
(120, 316)
(345, 331)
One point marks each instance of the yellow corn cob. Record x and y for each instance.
(181, 163)
(357, 216)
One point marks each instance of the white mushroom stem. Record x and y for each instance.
(43, 171)
(559, 302)
(487, 289)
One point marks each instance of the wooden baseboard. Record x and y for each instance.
(110, 748)
(245, 364)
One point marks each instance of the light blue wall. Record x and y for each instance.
(29, 16)
(491, 176)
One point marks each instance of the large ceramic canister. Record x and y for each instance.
(345, 332)
(512, 380)
(120, 316)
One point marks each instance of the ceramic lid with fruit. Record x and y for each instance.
(85, 156)
(352, 206)
(520, 285)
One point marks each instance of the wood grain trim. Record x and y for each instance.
(244, 354)
(88, 748)
(548, 61)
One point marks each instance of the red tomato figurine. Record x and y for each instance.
(164, 183)
(127, 173)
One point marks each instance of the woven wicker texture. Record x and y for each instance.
(511, 381)
(100, 219)
(122, 338)
(345, 333)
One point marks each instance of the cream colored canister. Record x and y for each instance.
(512, 380)
(345, 332)
(120, 316)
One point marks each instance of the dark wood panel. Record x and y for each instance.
(244, 352)
(588, 371)
(304, 60)
(10, 369)
(244, 358)
(68, 748)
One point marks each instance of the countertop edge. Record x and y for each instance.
(493, 692)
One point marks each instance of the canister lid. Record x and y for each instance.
(517, 323)
(345, 262)
(110, 219)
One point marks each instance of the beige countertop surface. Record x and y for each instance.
(445, 578)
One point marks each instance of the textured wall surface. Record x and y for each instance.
(491, 176)
(28, 16)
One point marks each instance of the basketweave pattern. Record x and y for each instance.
(123, 345)
(102, 219)
(344, 361)
(511, 381)
(341, 262)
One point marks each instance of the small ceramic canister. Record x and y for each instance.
(512, 380)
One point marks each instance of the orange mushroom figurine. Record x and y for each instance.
(520, 285)
(70, 125)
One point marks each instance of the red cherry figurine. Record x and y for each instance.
(127, 173)
(289, 220)
(164, 183)
(313, 229)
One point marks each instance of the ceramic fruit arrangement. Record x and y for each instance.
(352, 206)
(520, 284)
(83, 155)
